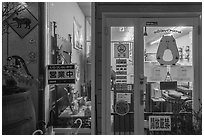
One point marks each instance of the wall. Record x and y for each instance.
(22, 47)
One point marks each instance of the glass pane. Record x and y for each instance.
(122, 79)
(169, 71)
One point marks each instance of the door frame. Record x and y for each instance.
(197, 62)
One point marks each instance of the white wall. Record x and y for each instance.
(63, 13)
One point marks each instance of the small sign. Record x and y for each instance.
(120, 86)
(153, 23)
(155, 73)
(159, 123)
(182, 73)
(124, 96)
(23, 22)
(61, 74)
(121, 50)
(121, 71)
(168, 85)
(122, 107)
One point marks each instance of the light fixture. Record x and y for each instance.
(145, 33)
(156, 41)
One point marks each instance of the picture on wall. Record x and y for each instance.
(77, 35)
(23, 22)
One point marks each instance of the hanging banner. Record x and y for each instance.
(121, 50)
(182, 73)
(61, 74)
(159, 123)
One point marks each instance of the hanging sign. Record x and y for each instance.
(61, 74)
(182, 73)
(122, 107)
(121, 50)
(159, 123)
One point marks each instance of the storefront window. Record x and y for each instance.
(169, 70)
(122, 80)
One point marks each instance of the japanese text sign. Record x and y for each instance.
(61, 74)
(182, 73)
(159, 123)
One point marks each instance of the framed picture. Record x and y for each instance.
(77, 35)
(23, 22)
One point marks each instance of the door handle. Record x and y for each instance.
(142, 80)
(142, 97)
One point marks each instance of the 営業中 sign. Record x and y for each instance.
(159, 123)
(61, 74)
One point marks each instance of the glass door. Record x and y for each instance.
(149, 79)
(171, 100)
(123, 110)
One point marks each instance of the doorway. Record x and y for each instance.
(142, 94)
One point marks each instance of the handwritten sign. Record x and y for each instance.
(182, 73)
(155, 73)
(61, 74)
(159, 123)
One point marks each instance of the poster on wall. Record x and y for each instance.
(182, 73)
(155, 73)
(77, 35)
(23, 22)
